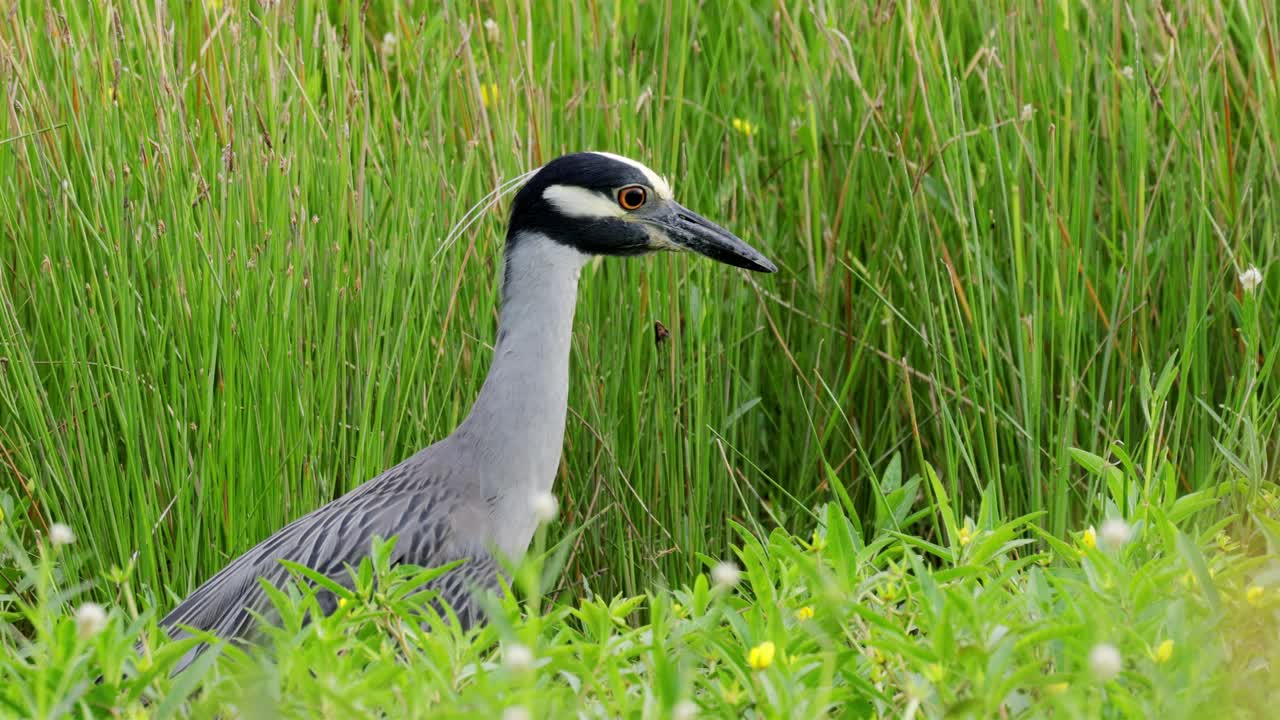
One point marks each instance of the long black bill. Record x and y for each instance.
(704, 237)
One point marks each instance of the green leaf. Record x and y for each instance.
(1088, 460)
(1195, 561)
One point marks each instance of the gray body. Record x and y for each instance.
(462, 498)
(470, 496)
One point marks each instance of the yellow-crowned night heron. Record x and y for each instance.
(470, 494)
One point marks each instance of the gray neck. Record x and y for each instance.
(516, 427)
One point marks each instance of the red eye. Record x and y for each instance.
(632, 197)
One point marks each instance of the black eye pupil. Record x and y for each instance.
(632, 198)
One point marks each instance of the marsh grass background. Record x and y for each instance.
(1011, 236)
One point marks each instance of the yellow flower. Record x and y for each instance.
(743, 126)
(804, 613)
(1056, 688)
(1089, 538)
(342, 602)
(1163, 652)
(488, 93)
(761, 656)
(1253, 595)
(966, 536)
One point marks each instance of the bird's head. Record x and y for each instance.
(603, 204)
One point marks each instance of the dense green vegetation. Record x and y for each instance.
(1018, 298)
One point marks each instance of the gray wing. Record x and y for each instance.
(429, 516)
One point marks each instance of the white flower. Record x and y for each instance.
(725, 574)
(388, 44)
(491, 30)
(684, 710)
(90, 619)
(545, 507)
(1027, 112)
(1115, 532)
(517, 657)
(1105, 662)
(1127, 72)
(66, 185)
(1250, 279)
(60, 534)
(515, 712)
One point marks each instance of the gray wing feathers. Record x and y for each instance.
(419, 507)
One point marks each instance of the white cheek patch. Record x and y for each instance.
(580, 202)
(656, 181)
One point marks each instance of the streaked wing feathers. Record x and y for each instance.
(419, 507)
